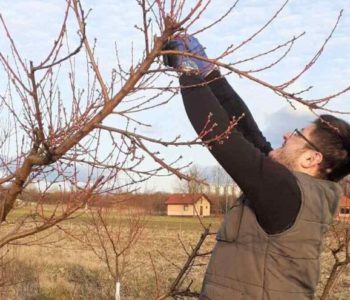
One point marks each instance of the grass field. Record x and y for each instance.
(57, 266)
(60, 267)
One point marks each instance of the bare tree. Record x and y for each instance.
(181, 286)
(197, 183)
(111, 234)
(338, 244)
(50, 133)
(48, 138)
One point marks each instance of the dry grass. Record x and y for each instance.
(60, 267)
(63, 268)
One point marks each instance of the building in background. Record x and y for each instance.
(344, 209)
(188, 205)
(221, 189)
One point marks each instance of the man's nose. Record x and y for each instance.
(287, 135)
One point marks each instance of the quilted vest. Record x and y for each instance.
(247, 263)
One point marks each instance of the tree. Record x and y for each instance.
(46, 137)
(111, 236)
(337, 243)
(196, 185)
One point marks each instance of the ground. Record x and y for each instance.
(57, 266)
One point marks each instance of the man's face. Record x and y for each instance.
(290, 153)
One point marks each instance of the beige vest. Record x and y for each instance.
(249, 264)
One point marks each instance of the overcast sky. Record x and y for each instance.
(35, 23)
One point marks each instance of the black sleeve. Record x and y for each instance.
(271, 187)
(235, 107)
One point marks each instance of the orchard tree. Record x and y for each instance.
(48, 134)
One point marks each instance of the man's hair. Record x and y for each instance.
(332, 137)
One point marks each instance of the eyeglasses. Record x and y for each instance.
(297, 132)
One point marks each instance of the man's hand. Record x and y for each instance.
(187, 43)
(179, 62)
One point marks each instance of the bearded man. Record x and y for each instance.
(269, 244)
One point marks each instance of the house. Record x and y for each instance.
(344, 209)
(188, 205)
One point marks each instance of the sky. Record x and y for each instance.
(34, 24)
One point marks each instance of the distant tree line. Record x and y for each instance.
(149, 203)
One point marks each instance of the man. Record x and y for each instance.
(269, 245)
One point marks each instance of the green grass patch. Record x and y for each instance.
(115, 217)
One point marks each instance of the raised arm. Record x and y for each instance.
(271, 187)
(234, 106)
(227, 97)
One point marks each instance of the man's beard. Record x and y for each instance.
(281, 156)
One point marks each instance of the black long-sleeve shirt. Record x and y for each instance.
(271, 188)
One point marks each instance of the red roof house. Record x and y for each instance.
(188, 205)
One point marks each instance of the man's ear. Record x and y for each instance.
(311, 158)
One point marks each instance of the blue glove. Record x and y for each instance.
(192, 44)
(179, 62)
(187, 43)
